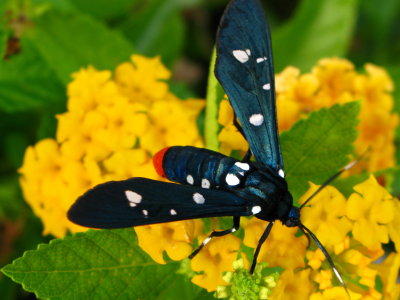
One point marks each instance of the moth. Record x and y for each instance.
(211, 184)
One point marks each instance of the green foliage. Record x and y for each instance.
(68, 41)
(12, 204)
(377, 33)
(157, 29)
(100, 264)
(3, 41)
(319, 29)
(115, 9)
(317, 147)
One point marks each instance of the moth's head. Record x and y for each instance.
(293, 218)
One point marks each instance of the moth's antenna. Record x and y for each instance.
(260, 242)
(327, 182)
(328, 258)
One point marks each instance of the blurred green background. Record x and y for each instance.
(43, 41)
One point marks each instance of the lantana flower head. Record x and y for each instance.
(325, 215)
(214, 259)
(283, 248)
(110, 131)
(371, 209)
(293, 285)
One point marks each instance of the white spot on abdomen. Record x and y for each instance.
(232, 179)
(133, 198)
(267, 86)
(198, 198)
(190, 179)
(205, 183)
(145, 212)
(241, 55)
(256, 119)
(172, 212)
(243, 166)
(255, 209)
(281, 173)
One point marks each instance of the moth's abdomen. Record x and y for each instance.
(195, 166)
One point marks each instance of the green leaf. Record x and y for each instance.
(104, 9)
(27, 83)
(3, 42)
(214, 95)
(182, 288)
(319, 29)
(23, 95)
(8, 289)
(317, 147)
(377, 34)
(11, 204)
(157, 28)
(98, 264)
(69, 41)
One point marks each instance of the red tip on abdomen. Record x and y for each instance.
(158, 161)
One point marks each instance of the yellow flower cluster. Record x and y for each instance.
(336, 222)
(369, 215)
(332, 81)
(214, 260)
(113, 126)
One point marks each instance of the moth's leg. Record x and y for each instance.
(247, 156)
(260, 242)
(236, 225)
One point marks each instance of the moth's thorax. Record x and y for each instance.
(267, 189)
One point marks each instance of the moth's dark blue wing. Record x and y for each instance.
(141, 201)
(244, 68)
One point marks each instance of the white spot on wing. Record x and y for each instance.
(256, 119)
(232, 179)
(198, 198)
(261, 59)
(189, 179)
(255, 209)
(133, 198)
(172, 212)
(145, 212)
(243, 166)
(267, 86)
(242, 56)
(281, 173)
(205, 183)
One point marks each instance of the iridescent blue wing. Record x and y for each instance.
(141, 201)
(245, 70)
